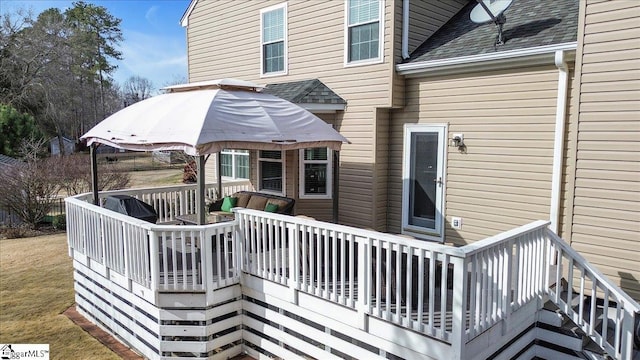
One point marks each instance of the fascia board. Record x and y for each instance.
(531, 56)
(185, 17)
(316, 108)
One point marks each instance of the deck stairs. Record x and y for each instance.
(554, 337)
(559, 333)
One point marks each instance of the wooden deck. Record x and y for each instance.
(289, 287)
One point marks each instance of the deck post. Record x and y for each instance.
(293, 280)
(94, 173)
(459, 307)
(363, 279)
(626, 341)
(200, 195)
(207, 261)
(336, 186)
(219, 174)
(154, 265)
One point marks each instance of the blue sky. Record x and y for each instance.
(154, 44)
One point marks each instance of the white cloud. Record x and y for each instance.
(152, 15)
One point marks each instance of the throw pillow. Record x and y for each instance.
(280, 202)
(271, 208)
(228, 203)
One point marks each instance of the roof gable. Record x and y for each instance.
(529, 24)
(305, 92)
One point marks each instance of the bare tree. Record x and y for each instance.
(136, 88)
(75, 179)
(32, 149)
(29, 190)
(176, 80)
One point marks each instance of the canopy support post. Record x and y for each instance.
(219, 173)
(94, 173)
(200, 195)
(336, 182)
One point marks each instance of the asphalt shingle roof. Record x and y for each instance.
(8, 160)
(529, 24)
(304, 92)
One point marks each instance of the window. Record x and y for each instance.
(364, 31)
(273, 39)
(270, 171)
(315, 173)
(235, 163)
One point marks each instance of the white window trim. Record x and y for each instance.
(420, 232)
(284, 173)
(329, 162)
(380, 57)
(233, 154)
(286, 47)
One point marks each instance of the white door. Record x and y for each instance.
(423, 181)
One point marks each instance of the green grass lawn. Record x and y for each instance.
(36, 287)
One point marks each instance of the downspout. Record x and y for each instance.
(558, 144)
(405, 29)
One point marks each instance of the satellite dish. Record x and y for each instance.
(491, 10)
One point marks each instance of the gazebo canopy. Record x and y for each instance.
(206, 117)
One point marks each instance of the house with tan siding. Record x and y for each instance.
(549, 120)
(486, 206)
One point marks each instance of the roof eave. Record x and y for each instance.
(322, 108)
(185, 17)
(540, 55)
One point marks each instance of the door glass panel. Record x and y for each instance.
(423, 178)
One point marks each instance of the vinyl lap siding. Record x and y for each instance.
(508, 121)
(606, 212)
(224, 41)
(381, 169)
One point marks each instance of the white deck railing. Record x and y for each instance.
(413, 284)
(451, 294)
(600, 308)
(175, 200)
(135, 253)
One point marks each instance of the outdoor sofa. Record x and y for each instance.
(253, 200)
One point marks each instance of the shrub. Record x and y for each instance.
(14, 232)
(190, 173)
(59, 222)
(29, 190)
(74, 171)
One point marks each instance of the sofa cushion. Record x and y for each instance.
(285, 204)
(257, 202)
(271, 207)
(243, 199)
(228, 203)
(280, 202)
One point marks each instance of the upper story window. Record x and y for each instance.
(315, 173)
(273, 40)
(271, 171)
(364, 31)
(235, 163)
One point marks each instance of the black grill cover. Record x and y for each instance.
(125, 204)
